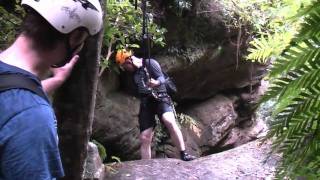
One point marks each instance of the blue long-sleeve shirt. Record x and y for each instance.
(28, 134)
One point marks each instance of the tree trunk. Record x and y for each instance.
(74, 105)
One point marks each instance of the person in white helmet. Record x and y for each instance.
(52, 34)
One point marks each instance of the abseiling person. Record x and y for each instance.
(154, 100)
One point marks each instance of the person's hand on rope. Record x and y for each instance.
(59, 76)
(153, 83)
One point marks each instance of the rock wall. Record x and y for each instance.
(93, 166)
(245, 162)
(217, 87)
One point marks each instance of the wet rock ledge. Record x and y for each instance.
(243, 162)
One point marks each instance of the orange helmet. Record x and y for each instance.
(122, 55)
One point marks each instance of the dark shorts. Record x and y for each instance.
(149, 107)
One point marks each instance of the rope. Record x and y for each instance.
(145, 38)
(144, 35)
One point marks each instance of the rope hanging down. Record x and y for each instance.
(145, 33)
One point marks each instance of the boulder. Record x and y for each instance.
(204, 54)
(213, 120)
(243, 135)
(216, 117)
(214, 71)
(116, 125)
(204, 58)
(244, 162)
(93, 167)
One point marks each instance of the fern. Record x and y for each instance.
(101, 149)
(268, 46)
(310, 26)
(302, 54)
(280, 23)
(296, 86)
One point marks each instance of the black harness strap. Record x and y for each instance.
(18, 81)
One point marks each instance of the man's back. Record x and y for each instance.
(28, 137)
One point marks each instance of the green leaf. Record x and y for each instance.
(296, 87)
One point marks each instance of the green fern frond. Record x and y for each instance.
(288, 87)
(267, 46)
(301, 107)
(310, 27)
(305, 163)
(296, 86)
(296, 57)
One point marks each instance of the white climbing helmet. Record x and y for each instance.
(67, 15)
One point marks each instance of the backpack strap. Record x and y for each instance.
(19, 81)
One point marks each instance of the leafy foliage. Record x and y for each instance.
(278, 32)
(268, 46)
(9, 21)
(186, 120)
(289, 37)
(273, 23)
(101, 150)
(123, 28)
(296, 86)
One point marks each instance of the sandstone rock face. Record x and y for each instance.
(116, 124)
(216, 118)
(204, 52)
(93, 168)
(211, 74)
(215, 128)
(244, 162)
(216, 86)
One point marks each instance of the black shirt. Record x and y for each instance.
(141, 78)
